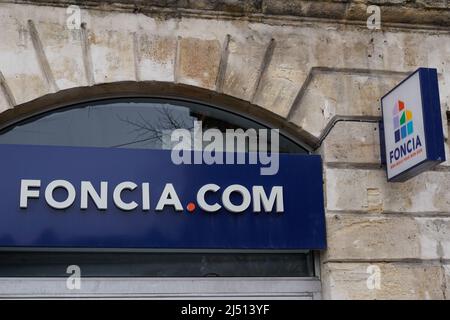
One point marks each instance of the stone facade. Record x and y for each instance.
(312, 68)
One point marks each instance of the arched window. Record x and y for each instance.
(142, 123)
(127, 123)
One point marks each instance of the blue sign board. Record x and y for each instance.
(72, 197)
(411, 134)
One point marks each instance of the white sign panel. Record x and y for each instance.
(403, 127)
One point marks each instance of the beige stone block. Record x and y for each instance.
(352, 142)
(284, 75)
(110, 37)
(385, 237)
(156, 57)
(198, 62)
(434, 237)
(353, 236)
(112, 56)
(63, 51)
(447, 281)
(389, 45)
(415, 55)
(396, 281)
(243, 67)
(347, 189)
(327, 49)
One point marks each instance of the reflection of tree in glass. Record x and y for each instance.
(156, 130)
(147, 132)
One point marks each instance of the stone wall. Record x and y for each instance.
(316, 71)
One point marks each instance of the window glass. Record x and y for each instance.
(131, 123)
(132, 264)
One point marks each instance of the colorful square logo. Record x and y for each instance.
(403, 122)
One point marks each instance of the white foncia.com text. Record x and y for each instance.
(30, 189)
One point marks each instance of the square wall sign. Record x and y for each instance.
(412, 138)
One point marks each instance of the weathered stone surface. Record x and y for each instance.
(111, 46)
(346, 190)
(62, 48)
(4, 103)
(156, 57)
(447, 280)
(398, 281)
(243, 69)
(394, 11)
(284, 75)
(18, 61)
(198, 62)
(434, 237)
(352, 142)
(446, 163)
(359, 237)
(336, 93)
